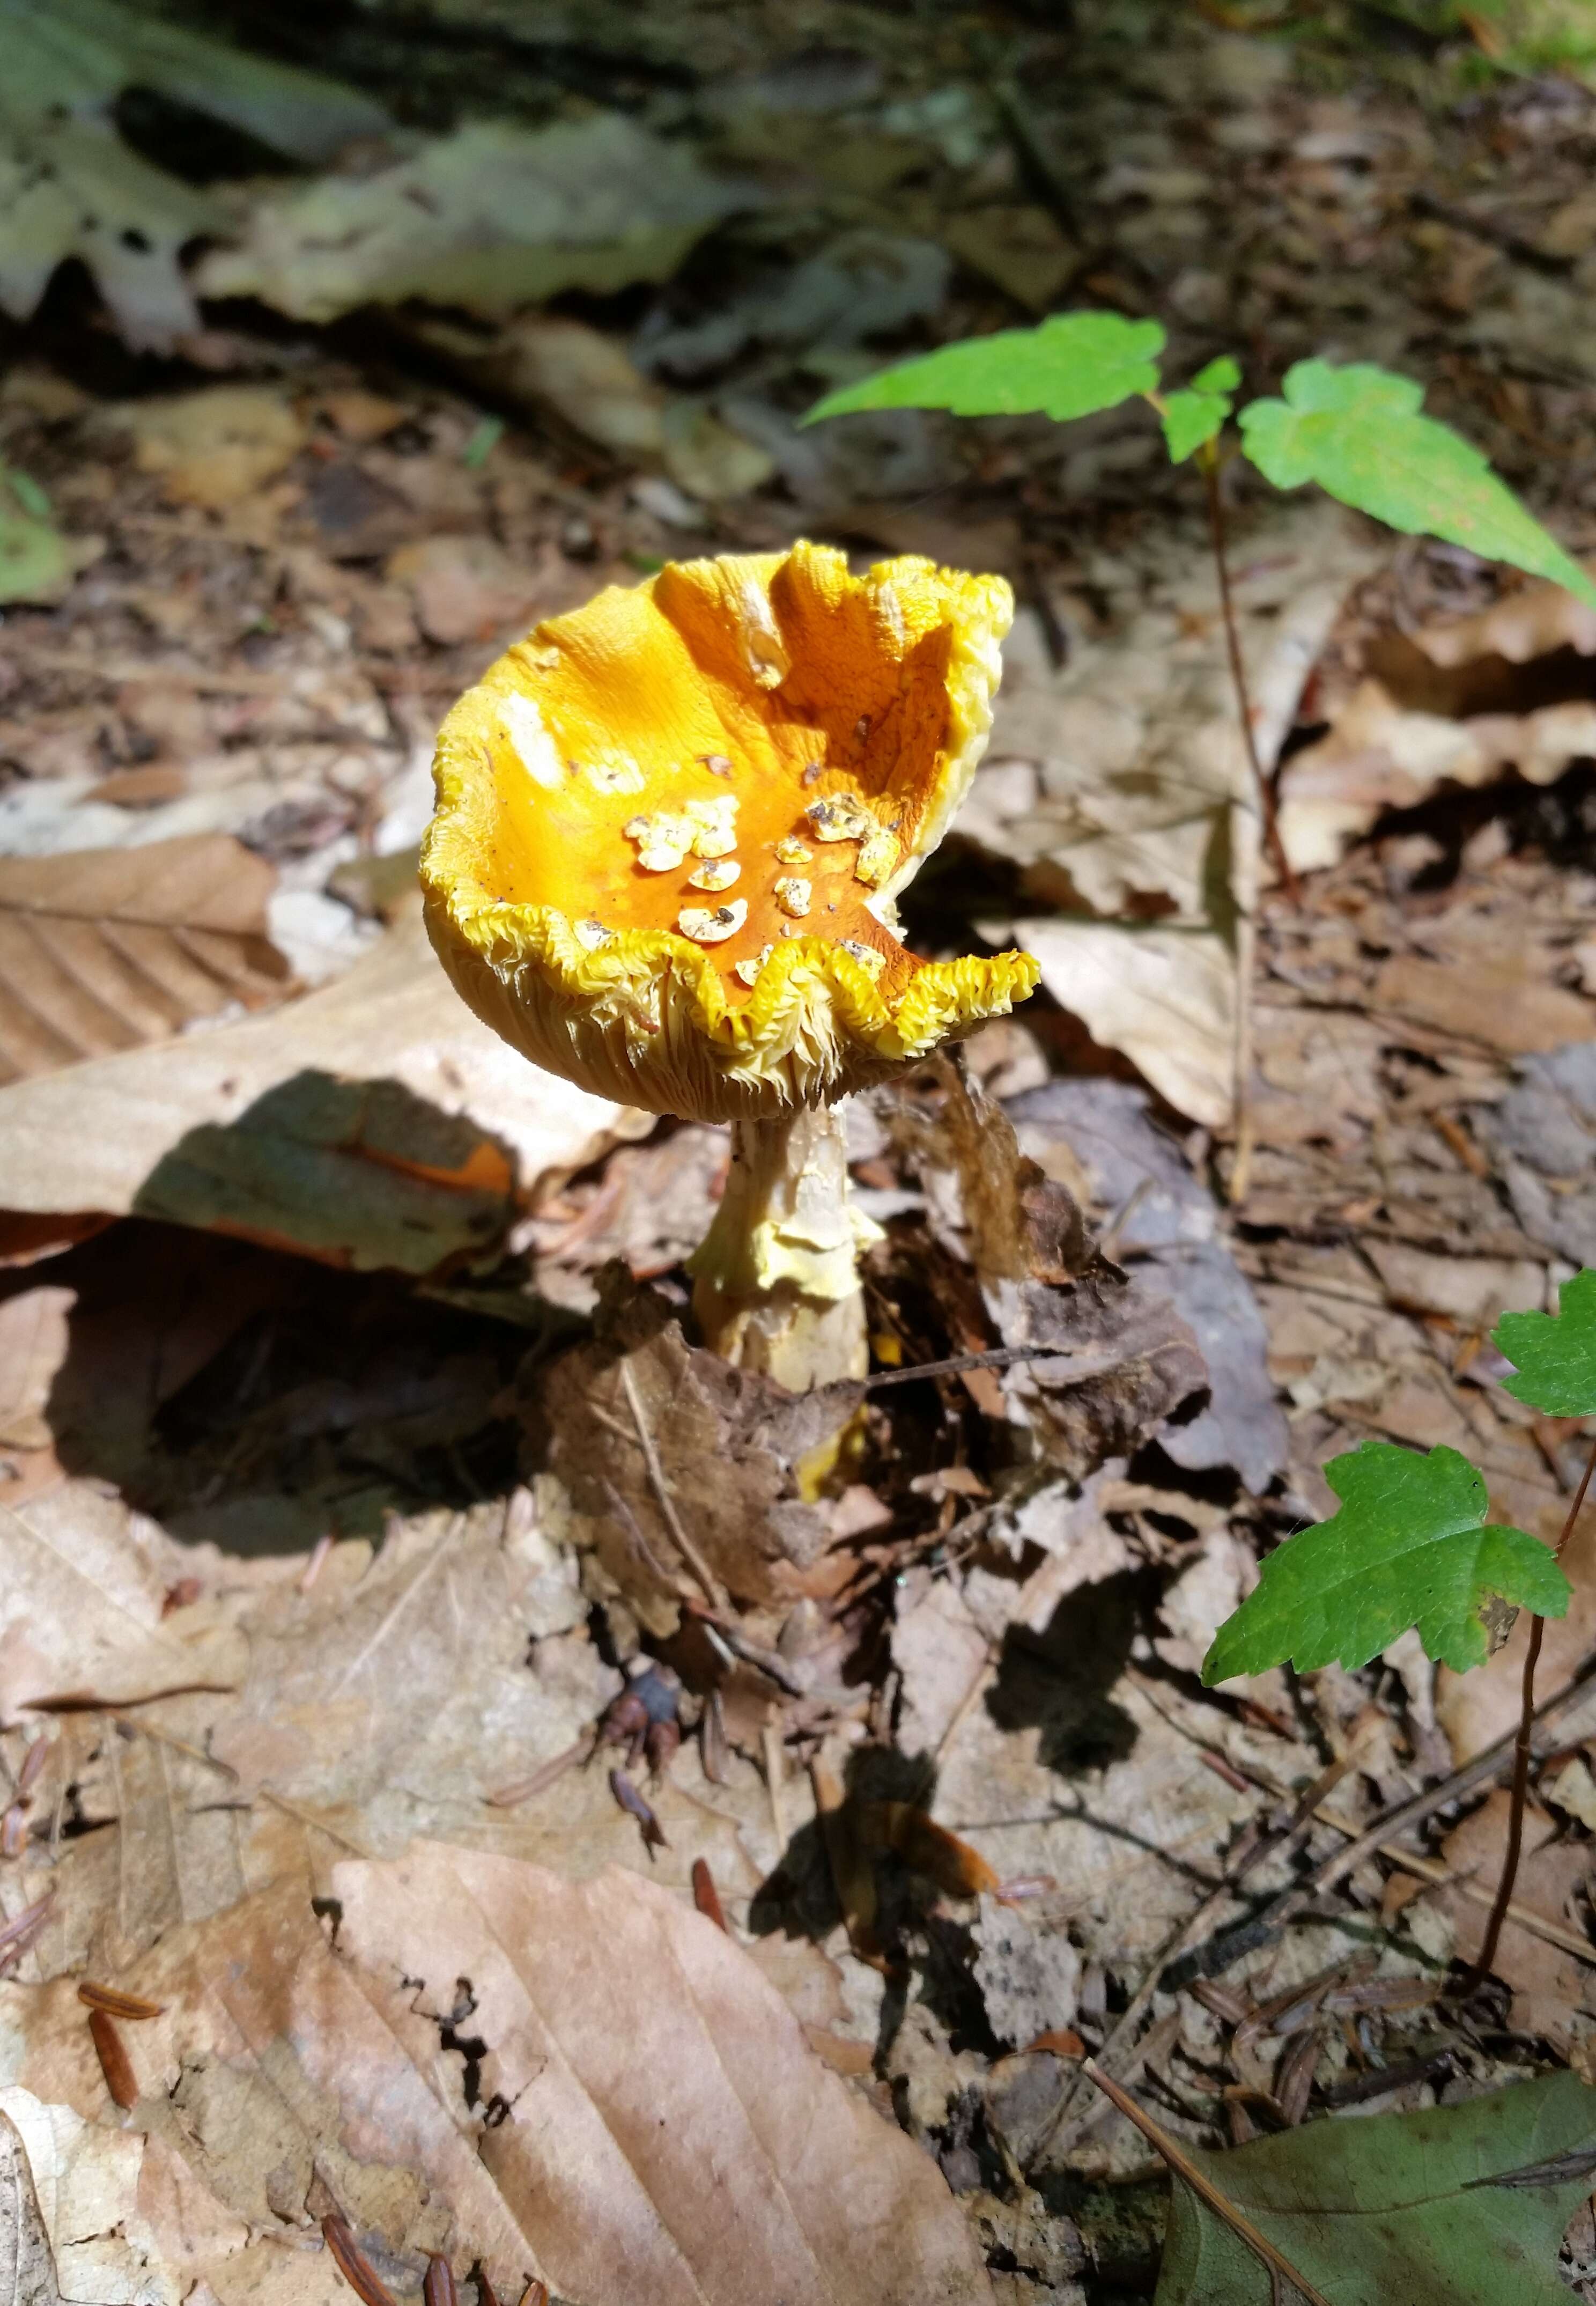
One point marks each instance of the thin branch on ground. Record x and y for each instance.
(1521, 1760)
(1327, 1875)
(1187, 2170)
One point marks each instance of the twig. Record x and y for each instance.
(1238, 675)
(1241, 1167)
(1488, 229)
(1521, 1760)
(1187, 2170)
(1523, 1917)
(1334, 1870)
(714, 1592)
(1371, 1842)
(993, 1357)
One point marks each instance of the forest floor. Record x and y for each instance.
(318, 1571)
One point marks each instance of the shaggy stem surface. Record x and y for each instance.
(776, 1280)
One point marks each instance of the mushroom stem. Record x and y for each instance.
(776, 1279)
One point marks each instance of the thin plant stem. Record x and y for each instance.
(1238, 674)
(1280, 2267)
(1521, 1763)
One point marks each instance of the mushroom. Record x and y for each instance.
(815, 729)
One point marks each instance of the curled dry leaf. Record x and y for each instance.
(1114, 1358)
(371, 1124)
(639, 1411)
(102, 949)
(1120, 787)
(647, 2119)
(218, 446)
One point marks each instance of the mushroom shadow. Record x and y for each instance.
(1058, 1681)
(264, 1372)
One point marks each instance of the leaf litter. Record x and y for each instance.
(972, 1649)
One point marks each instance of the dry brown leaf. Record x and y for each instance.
(370, 1123)
(103, 949)
(1022, 249)
(640, 1411)
(640, 2051)
(33, 1337)
(390, 1700)
(1531, 622)
(1120, 786)
(1500, 1000)
(644, 2118)
(1381, 754)
(217, 447)
(466, 588)
(1548, 1984)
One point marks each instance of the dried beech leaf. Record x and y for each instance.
(27, 2262)
(102, 949)
(370, 1123)
(1534, 621)
(639, 2051)
(494, 215)
(647, 2119)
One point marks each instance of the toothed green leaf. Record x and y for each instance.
(1358, 432)
(1074, 364)
(1409, 1547)
(1554, 1354)
(1196, 415)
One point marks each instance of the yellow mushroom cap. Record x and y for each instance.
(871, 693)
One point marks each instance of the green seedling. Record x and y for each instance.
(1357, 432)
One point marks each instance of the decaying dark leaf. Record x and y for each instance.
(688, 1472)
(1120, 1359)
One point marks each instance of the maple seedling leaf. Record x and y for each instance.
(1196, 415)
(1410, 1547)
(1359, 432)
(1073, 364)
(1554, 1354)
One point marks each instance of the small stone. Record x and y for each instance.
(716, 763)
(813, 773)
(707, 926)
(794, 895)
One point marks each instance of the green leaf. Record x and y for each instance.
(1409, 1547)
(28, 494)
(1358, 432)
(1390, 2209)
(1221, 375)
(1074, 363)
(1554, 1353)
(1193, 416)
